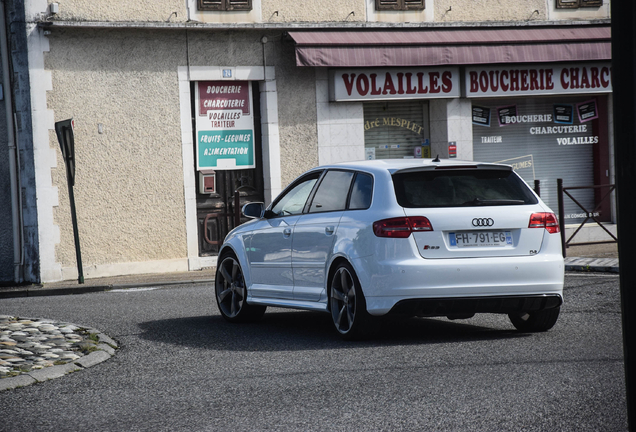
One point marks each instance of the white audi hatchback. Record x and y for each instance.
(415, 237)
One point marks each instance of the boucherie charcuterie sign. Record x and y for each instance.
(394, 83)
(225, 125)
(545, 79)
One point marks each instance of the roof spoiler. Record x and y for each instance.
(478, 166)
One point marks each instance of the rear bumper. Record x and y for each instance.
(444, 281)
(472, 305)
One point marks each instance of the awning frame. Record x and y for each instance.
(451, 46)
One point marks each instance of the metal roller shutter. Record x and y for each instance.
(394, 129)
(539, 146)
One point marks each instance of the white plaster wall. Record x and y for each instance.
(121, 10)
(317, 11)
(122, 91)
(296, 88)
(450, 120)
(313, 11)
(413, 16)
(490, 10)
(270, 137)
(340, 126)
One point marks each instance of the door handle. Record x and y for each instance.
(329, 230)
(287, 232)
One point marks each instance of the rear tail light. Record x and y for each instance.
(401, 227)
(544, 220)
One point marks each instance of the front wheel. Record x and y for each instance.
(347, 304)
(231, 292)
(538, 321)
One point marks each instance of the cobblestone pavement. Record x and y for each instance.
(34, 350)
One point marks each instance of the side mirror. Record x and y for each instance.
(253, 210)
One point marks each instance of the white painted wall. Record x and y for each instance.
(450, 120)
(340, 126)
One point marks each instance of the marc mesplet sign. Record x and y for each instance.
(225, 125)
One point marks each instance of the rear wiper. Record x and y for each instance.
(486, 202)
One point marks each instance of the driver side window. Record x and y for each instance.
(293, 202)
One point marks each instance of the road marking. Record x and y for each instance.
(126, 290)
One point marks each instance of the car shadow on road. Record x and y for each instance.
(302, 330)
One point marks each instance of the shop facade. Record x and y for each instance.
(548, 118)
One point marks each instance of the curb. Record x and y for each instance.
(104, 352)
(41, 291)
(592, 269)
(600, 265)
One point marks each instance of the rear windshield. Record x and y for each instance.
(461, 188)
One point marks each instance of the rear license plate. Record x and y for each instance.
(480, 239)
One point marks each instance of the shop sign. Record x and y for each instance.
(224, 125)
(526, 80)
(395, 122)
(393, 84)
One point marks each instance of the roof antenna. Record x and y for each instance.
(436, 159)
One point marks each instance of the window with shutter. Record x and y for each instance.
(567, 4)
(413, 4)
(399, 4)
(239, 4)
(224, 5)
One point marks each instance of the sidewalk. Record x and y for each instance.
(109, 283)
(593, 258)
(589, 258)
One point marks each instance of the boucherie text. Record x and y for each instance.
(544, 79)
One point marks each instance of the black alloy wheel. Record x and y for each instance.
(231, 292)
(347, 304)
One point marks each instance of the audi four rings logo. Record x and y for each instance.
(480, 222)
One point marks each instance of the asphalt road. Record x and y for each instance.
(181, 367)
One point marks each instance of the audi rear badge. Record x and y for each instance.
(483, 222)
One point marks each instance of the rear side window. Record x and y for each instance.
(461, 188)
(332, 192)
(361, 192)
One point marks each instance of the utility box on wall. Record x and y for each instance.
(207, 181)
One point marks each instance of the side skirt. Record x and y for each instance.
(292, 304)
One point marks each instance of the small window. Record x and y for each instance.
(293, 201)
(361, 192)
(399, 4)
(225, 5)
(332, 192)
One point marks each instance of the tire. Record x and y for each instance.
(231, 292)
(347, 304)
(538, 321)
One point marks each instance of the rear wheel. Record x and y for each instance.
(231, 292)
(347, 304)
(538, 321)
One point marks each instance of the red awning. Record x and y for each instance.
(451, 46)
